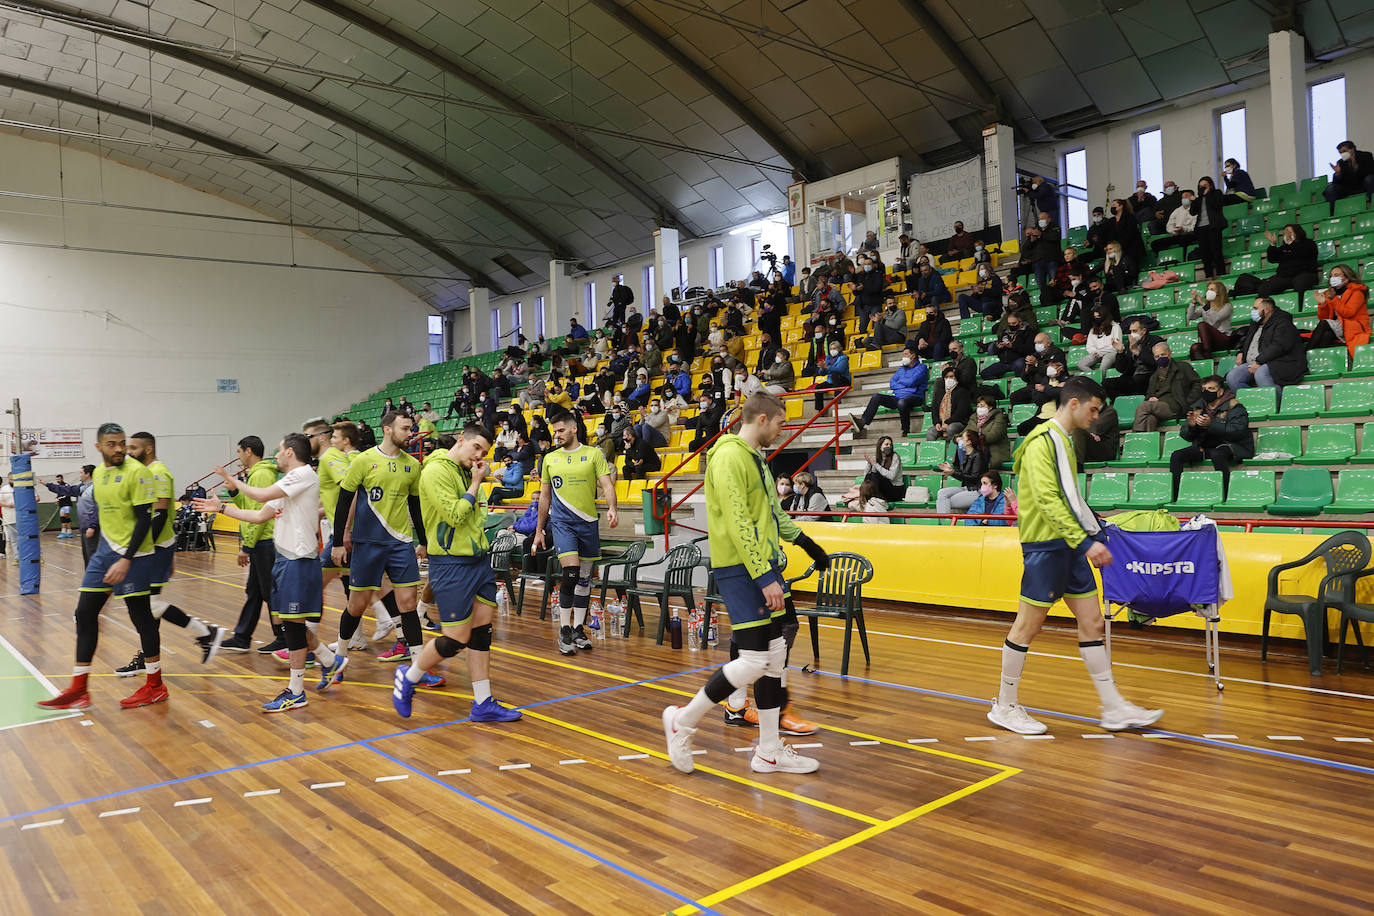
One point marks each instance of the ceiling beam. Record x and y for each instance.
(141, 117)
(349, 12)
(132, 34)
(805, 166)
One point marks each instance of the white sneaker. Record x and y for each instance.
(358, 641)
(383, 630)
(679, 741)
(1128, 715)
(785, 761)
(1013, 717)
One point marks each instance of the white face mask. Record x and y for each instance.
(1112, 256)
(1140, 190)
(977, 247)
(834, 352)
(983, 412)
(906, 360)
(1211, 295)
(867, 268)
(1074, 282)
(779, 359)
(704, 404)
(1096, 220)
(1347, 156)
(950, 383)
(1052, 372)
(1256, 315)
(1337, 281)
(1136, 335)
(1044, 223)
(739, 379)
(1169, 189)
(655, 409)
(1039, 348)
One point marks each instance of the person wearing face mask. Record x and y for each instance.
(933, 336)
(652, 359)
(1047, 255)
(706, 423)
(781, 377)
(1212, 312)
(1342, 312)
(991, 422)
(605, 442)
(1269, 351)
(1164, 207)
(959, 245)
(930, 288)
(1239, 187)
(1172, 387)
(1041, 195)
(640, 457)
(745, 384)
(806, 289)
(1125, 230)
(906, 392)
(865, 497)
(639, 395)
(884, 472)
(1012, 347)
(890, 328)
(966, 473)
(826, 297)
(1143, 203)
(1178, 228)
(1134, 362)
(1098, 235)
(1294, 255)
(868, 294)
(950, 408)
(992, 500)
(768, 351)
(557, 396)
(980, 253)
(985, 296)
(1072, 318)
(837, 374)
(1217, 429)
(1043, 379)
(1352, 173)
(787, 496)
(1120, 271)
(1104, 339)
(965, 367)
(1207, 204)
(654, 426)
(1034, 367)
(619, 421)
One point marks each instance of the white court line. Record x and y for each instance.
(698, 752)
(1156, 735)
(120, 811)
(1284, 737)
(633, 757)
(454, 772)
(741, 750)
(206, 723)
(982, 738)
(564, 763)
(922, 740)
(1359, 740)
(812, 744)
(1222, 737)
(40, 824)
(864, 743)
(521, 766)
(38, 676)
(391, 778)
(326, 785)
(192, 801)
(1099, 736)
(1038, 737)
(261, 792)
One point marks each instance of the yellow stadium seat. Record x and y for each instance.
(906, 302)
(871, 359)
(1011, 246)
(795, 407)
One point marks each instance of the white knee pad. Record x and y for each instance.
(777, 658)
(158, 606)
(745, 670)
(312, 626)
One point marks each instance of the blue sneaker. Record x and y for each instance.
(286, 700)
(333, 674)
(402, 691)
(432, 681)
(491, 711)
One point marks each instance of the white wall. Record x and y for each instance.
(93, 337)
(1190, 135)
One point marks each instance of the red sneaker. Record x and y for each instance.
(145, 696)
(71, 698)
(397, 653)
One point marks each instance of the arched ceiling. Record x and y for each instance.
(461, 142)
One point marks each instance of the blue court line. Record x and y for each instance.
(62, 806)
(542, 832)
(1196, 739)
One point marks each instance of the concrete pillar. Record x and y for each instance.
(1288, 104)
(666, 266)
(479, 319)
(999, 179)
(562, 303)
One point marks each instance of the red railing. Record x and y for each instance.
(661, 483)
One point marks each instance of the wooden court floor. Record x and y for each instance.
(1252, 801)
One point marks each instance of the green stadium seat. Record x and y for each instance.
(1126, 405)
(1364, 222)
(1333, 228)
(1245, 263)
(1327, 362)
(1303, 491)
(1247, 225)
(1149, 490)
(1357, 246)
(1233, 246)
(1351, 398)
(1077, 236)
(1260, 403)
(1250, 491)
(1312, 187)
(1108, 491)
(1159, 298)
(1300, 402)
(1139, 449)
(1287, 301)
(906, 451)
(1170, 320)
(1072, 355)
(1169, 256)
(1198, 491)
(1173, 441)
(929, 454)
(1266, 205)
(1354, 493)
(1234, 211)
(1128, 303)
(1283, 439)
(1363, 362)
(1326, 249)
(1329, 443)
(1020, 413)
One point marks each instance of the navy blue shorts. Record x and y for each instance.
(135, 580)
(327, 563)
(1055, 572)
(160, 571)
(577, 538)
(458, 583)
(743, 597)
(297, 587)
(369, 561)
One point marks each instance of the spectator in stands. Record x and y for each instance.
(500, 385)
(1269, 351)
(601, 345)
(655, 426)
(746, 383)
(634, 322)
(619, 421)
(621, 297)
(557, 396)
(388, 407)
(781, 377)
(406, 407)
(769, 318)
(1172, 387)
(866, 498)
(1295, 256)
(985, 296)
(1166, 204)
(965, 367)
(1043, 195)
(604, 441)
(930, 287)
(1143, 203)
(1342, 312)
(1239, 187)
(577, 335)
(1099, 234)
(813, 338)
(991, 422)
(1062, 285)
(825, 297)
(837, 374)
(534, 393)
(890, 328)
(639, 395)
(1071, 319)
(459, 405)
(1125, 230)
(767, 350)
(787, 498)
(707, 421)
(933, 336)
(970, 464)
(884, 471)
(1352, 173)
(1104, 340)
(1041, 370)
(868, 294)
(1178, 226)
(1218, 428)
(538, 352)
(1207, 204)
(1134, 362)
(744, 292)
(870, 242)
(789, 272)
(652, 359)
(992, 500)
(512, 480)
(1120, 271)
(960, 244)
(980, 253)
(1212, 311)
(366, 437)
(506, 441)
(640, 458)
(950, 407)
(806, 289)
(516, 417)
(906, 391)
(1101, 440)
(810, 497)
(1013, 345)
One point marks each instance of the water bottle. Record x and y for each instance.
(675, 631)
(617, 618)
(598, 619)
(502, 600)
(713, 635)
(555, 611)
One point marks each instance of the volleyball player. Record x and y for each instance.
(379, 534)
(459, 573)
(567, 510)
(1061, 541)
(124, 492)
(742, 521)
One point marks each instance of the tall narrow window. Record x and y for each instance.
(496, 329)
(717, 277)
(648, 285)
(1149, 159)
(539, 315)
(515, 317)
(1074, 187)
(436, 339)
(1231, 137)
(589, 305)
(1326, 108)
(681, 275)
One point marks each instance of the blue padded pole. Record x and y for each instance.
(26, 508)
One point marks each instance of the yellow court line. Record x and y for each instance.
(811, 858)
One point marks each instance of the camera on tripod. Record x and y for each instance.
(767, 255)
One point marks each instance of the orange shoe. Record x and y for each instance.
(745, 716)
(789, 724)
(146, 695)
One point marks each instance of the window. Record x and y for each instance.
(539, 315)
(589, 304)
(436, 339)
(1149, 159)
(496, 329)
(648, 285)
(717, 272)
(1073, 170)
(848, 223)
(515, 311)
(1326, 108)
(681, 275)
(1231, 137)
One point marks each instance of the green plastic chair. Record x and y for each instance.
(626, 579)
(1326, 249)
(1149, 490)
(1357, 245)
(1354, 493)
(1303, 491)
(1250, 491)
(1022, 412)
(1172, 443)
(1171, 320)
(1312, 187)
(1286, 439)
(1126, 405)
(1334, 227)
(1268, 205)
(1301, 402)
(1327, 362)
(1203, 367)
(905, 451)
(1364, 222)
(1129, 302)
(1159, 298)
(1232, 212)
(1246, 263)
(1287, 301)
(1363, 362)
(839, 596)
(1260, 403)
(929, 454)
(1139, 449)
(1328, 443)
(1351, 398)
(1198, 491)
(1076, 236)
(1343, 554)
(1108, 490)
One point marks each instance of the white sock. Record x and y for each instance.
(1013, 662)
(579, 616)
(297, 680)
(689, 715)
(481, 690)
(197, 628)
(567, 614)
(152, 667)
(81, 669)
(414, 673)
(738, 698)
(770, 741)
(341, 647)
(380, 612)
(324, 655)
(1100, 667)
